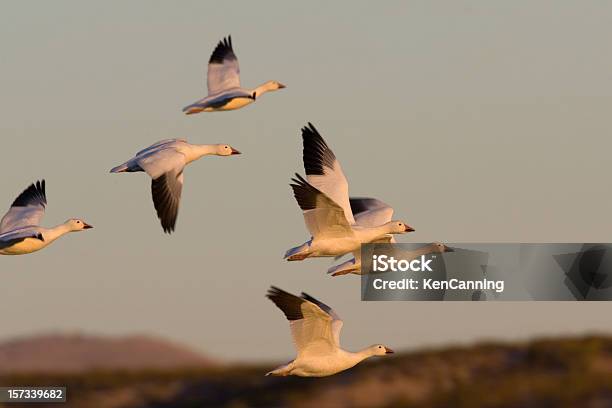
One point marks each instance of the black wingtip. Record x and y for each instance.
(224, 50)
(274, 291)
(310, 129)
(316, 153)
(288, 303)
(299, 180)
(165, 206)
(304, 193)
(306, 296)
(362, 204)
(34, 194)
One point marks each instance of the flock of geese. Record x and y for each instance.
(338, 224)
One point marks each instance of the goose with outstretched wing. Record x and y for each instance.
(20, 230)
(315, 329)
(324, 199)
(223, 80)
(165, 163)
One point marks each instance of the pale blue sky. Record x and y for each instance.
(477, 120)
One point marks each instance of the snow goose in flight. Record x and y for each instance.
(165, 161)
(325, 178)
(20, 232)
(224, 90)
(315, 329)
(332, 234)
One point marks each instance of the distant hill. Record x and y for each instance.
(74, 353)
(550, 373)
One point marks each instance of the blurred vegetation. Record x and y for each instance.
(573, 372)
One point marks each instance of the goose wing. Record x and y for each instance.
(159, 145)
(27, 209)
(315, 327)
(322, 215)
(371, 212)
(365, 204)
(166, 191)
(323, 170)
(13, 237)
(223, 69)
(166, 170)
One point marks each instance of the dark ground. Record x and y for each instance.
(544, 373)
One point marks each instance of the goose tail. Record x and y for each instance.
(281, 371)
(126, 167)
(298, 253)
(193, 108)
(344, 268)
(119, 169)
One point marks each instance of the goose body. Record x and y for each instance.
(230, 99)
(19, 230)
(315, 329)
(165, 162)
(324, 200)
(224, 90)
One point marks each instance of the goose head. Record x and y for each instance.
(225, 150)
(75, 224)
(440, 247)
(274, 85)
(268, 87)
(398, 227)
(380, 350)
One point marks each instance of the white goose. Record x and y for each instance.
(224, 91)
(324, 200)
(19, 230)
(315, 329)
(165, 161)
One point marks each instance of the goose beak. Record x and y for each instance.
(234, 152)
(388, 351)
(448, 249)
(281, 86)
(409, 229)
(87, 226)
